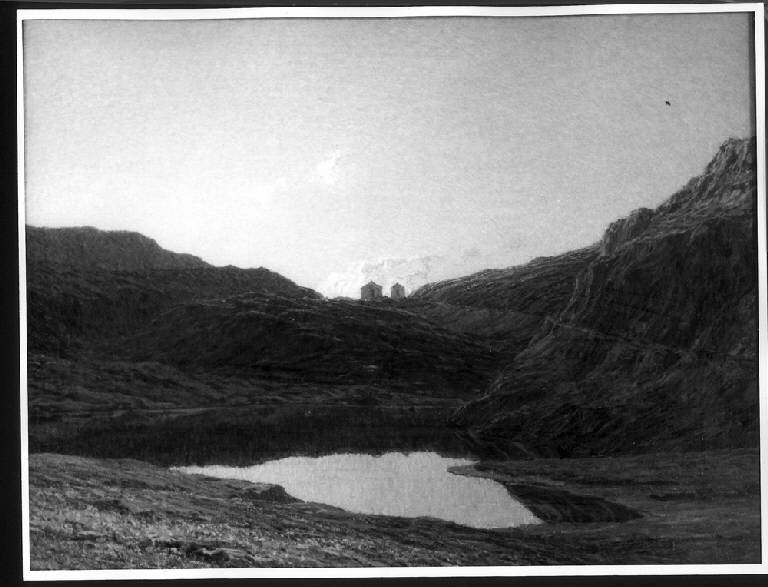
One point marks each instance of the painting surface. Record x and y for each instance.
(391, 292)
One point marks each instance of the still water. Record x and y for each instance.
(392, 484)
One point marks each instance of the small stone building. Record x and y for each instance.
(397, 292)
(370, 291)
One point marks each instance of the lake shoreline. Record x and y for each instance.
(696, 508)
(407, 484)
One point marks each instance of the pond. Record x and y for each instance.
(394, 484)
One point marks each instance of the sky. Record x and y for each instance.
(334, 151)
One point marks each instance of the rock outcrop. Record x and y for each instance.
(625, 229)
(506, 306)
(656, 347)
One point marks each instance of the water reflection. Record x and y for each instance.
(393, 484)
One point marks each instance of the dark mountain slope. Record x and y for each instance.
(538, 287)
(133, 301)
(93, 248)
(505, 305)
(82, 298)
(656, 347)
(315, 340)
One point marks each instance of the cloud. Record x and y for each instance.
(410, 272)
(328, 170)
(413, 272)
(266, 192)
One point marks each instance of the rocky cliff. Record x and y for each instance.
(656, 346)
(506, 306)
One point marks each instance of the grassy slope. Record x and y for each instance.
(71, 307)
(88, 513)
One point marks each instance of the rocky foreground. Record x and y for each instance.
(697, 508)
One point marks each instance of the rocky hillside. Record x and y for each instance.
(539, 287)
(85, 285)
(506, 306)
(656, 345)
(315, 340)
(99, 249)
(133, 301)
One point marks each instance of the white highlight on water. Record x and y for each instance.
(392, 484)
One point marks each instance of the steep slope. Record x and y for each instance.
(656, 347)
(79, 293)
(508, 306)
(538, 287)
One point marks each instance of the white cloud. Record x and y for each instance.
(328, 170)
(410, 272)
(266, 192)
(413, 272)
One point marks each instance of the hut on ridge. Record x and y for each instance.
(370, 291)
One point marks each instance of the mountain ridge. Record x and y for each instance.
(116, 250)
(656, 345)
(137, 302)
(79, 291)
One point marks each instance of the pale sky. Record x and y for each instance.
(309, 146)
